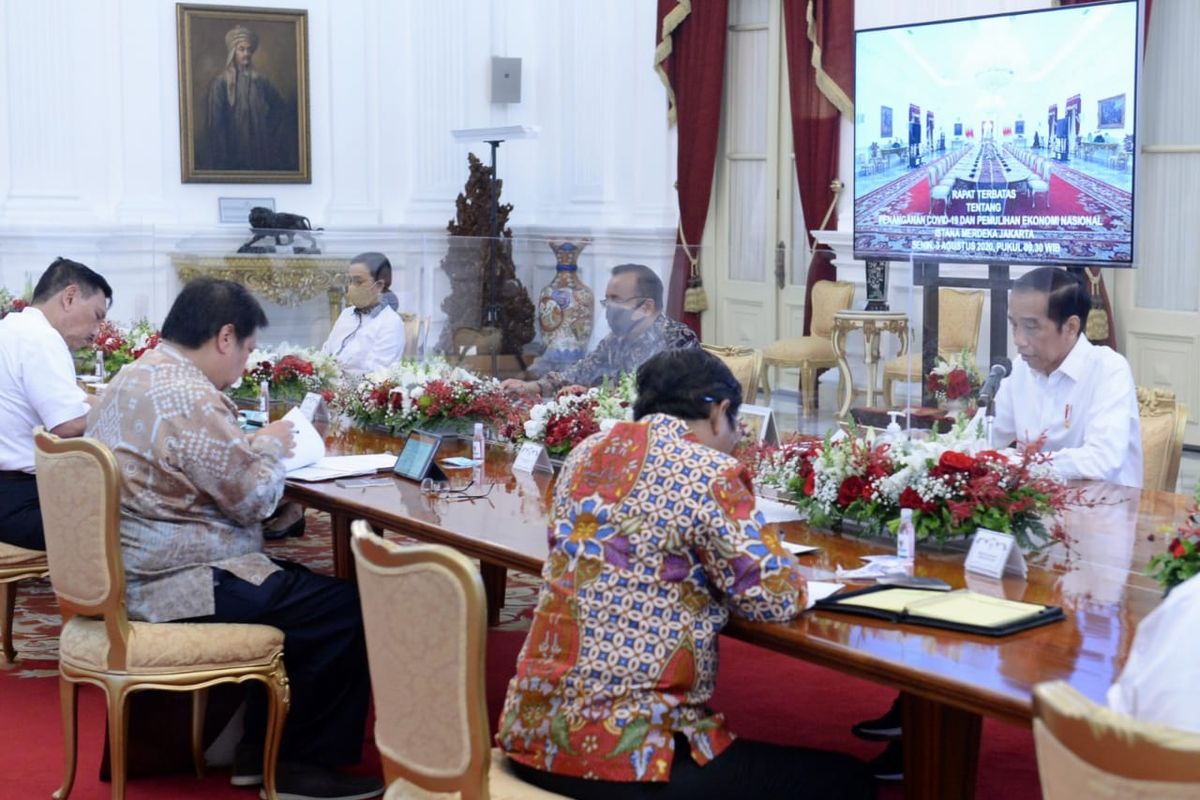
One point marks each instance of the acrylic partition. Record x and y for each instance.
(494, 306)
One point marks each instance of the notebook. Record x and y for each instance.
(961, 610)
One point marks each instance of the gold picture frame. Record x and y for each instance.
(243, 95)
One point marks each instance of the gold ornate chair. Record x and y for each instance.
(959, 314)
(16, 564)
(423, 611)
(1162, 420)
(1087, 750)
(814, 352)
(746, 365)
(101, 646)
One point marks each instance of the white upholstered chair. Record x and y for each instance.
(1088, 750)
(1039, 181)
(16, 564)
(813, 352)
(959, 313)
(1162, 419)
(938, 192)
(79, 487)
(426, 623)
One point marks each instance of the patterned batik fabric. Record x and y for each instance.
(194, 488)
(654, 538)
(616, 355)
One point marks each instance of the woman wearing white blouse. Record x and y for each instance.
(368, 334)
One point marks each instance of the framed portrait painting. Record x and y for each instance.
(1111, 112)
(243, 95)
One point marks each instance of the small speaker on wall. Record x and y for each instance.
(506, 80)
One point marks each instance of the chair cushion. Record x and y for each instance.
(1063, 774)
(802, 348)
(503, 784)
(165, 647)
(13, 556)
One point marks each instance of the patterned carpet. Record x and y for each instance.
(37, 622)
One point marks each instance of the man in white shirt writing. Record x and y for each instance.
(37, 385)
(1079, 395)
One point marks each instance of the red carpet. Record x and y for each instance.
(764, 695)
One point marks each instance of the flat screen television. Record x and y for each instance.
(991, 196)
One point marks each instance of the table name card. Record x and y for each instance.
(313, 407)
(995, 554)
(532, 457)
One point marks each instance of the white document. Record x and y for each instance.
(307, 445)
(819, 590)
(877, 566)
(775, 511)
(331, 467)
(798, 549)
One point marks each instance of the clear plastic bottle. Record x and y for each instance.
(264, 397)
(478, 444)
(906, 537)
(99, 369)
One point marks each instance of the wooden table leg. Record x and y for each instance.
(495, 580)
(941, 750)
(343, 561)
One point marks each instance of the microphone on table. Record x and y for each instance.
(1000, 371)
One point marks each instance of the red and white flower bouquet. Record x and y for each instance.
(575, 414)
(956, 380)
(290, 373)
(952, 482)
(409, 395)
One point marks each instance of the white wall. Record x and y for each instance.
(89, 129)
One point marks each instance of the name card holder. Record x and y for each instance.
(313, 408)
(759, 422)
(995, 554)
(532, 457)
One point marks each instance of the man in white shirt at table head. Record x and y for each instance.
(1079, 395)
(37, 384)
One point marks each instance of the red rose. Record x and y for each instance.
(958, 384)
(934, 383)
(1178, 550)
(956, 461)
(810, 484)
(850, 490)
(910, 499)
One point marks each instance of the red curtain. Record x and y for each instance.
(1096, 278)
(819, 35)
(690, 58)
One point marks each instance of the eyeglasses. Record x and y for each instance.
(442, 490)
(618, 301)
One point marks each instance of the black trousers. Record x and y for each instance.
(746, 769)
(20, 514)
(324, 651)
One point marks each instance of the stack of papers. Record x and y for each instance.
(819, 590)
(331, 467)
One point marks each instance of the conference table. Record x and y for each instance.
(949, 681)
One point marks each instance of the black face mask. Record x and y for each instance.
(620, 319)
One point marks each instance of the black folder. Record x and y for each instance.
(962, 610)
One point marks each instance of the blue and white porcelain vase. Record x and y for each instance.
(566, 309)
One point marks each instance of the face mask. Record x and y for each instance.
(363, 296)
(620, 320)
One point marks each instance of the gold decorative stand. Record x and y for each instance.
(288, 280)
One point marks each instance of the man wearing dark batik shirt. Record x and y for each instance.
(633, 307)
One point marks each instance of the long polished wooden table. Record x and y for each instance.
(949, 680)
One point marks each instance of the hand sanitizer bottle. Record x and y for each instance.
(893, 430)
(264, 399)
(906, 537)
(478, 444)
(99, 370)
